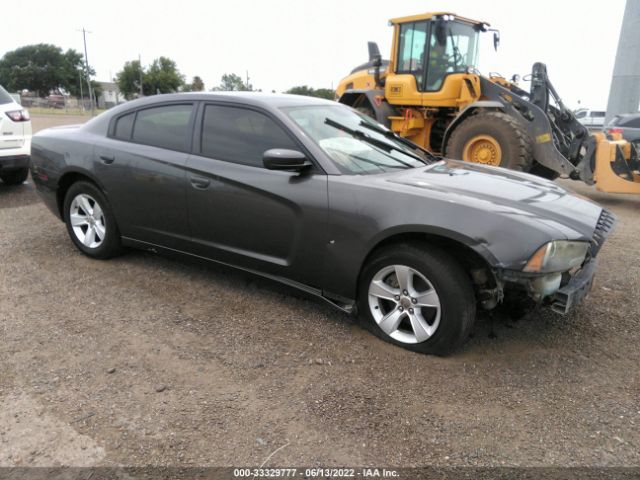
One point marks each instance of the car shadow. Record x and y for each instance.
(12, 196)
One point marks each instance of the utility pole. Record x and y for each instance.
(86, 63)
(81, 94)
(140, 62)
(247, 84)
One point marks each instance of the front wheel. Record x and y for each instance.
(90, 222)
(14, 177)
(418, 297)
(492, 138)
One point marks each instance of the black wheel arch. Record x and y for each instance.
(68, 178)
(469, 258)
(483, 105)
(373, 99)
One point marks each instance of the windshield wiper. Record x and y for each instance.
(360, 135)
(398, 138)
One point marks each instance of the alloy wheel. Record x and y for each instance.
(87, 220)
(404, 304)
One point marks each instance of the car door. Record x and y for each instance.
(244, 214)
(143, 167)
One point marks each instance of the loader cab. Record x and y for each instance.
(426, 51)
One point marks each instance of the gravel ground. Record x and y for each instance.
(144, 360)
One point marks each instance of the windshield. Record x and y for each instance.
(355, 143)
(453, 48)
(5, 97)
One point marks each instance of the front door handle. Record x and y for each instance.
(107, 159)
(200, 182)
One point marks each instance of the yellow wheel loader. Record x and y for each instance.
(431, 93)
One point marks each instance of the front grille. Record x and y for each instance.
(604, 227)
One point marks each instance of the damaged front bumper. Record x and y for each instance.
(560, 291)
(575, 290)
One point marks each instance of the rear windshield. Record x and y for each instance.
(631, 121)
(5, 97)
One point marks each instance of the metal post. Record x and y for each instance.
(140, 64)
(624, 95)
(86, 62)
(81, 94)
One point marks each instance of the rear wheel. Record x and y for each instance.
(90, 222)
(416, 296)
(14, 177)
(492, 138)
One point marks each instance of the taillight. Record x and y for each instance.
(611, 131)
(18, 115)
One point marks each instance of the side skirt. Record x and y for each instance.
(347, 306)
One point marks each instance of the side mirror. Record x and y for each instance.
(374, 51)
(283, 159)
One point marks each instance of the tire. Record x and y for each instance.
(509, 146)
(437, 280)
(544, 172)
(15, 177)
(367, 110)
(82, 218)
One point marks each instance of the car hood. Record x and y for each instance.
(503, 191)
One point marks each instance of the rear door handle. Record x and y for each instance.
(200, 182)
(107, 159)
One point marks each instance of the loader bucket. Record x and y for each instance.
(617, 168)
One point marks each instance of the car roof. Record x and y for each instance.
(257, 99)
(627, 116)
(249, 98)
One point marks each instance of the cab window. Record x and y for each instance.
(453, 48)
(413, 38)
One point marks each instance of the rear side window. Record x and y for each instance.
(5, 97)
(164, 127)
(597, 114)
(633, 122)
(124, 126)
(240, 135)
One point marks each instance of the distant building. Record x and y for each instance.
(110, 96)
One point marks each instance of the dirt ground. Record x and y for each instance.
(144, 360)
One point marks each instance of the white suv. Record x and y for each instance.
(15, 140)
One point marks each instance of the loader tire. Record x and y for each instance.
(544, 172)
(492, 138)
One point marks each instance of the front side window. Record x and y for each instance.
(413, 38)
(165, 127)
(453, 48)
(355, 143)
(240, 135)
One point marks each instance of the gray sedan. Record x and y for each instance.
(318, 196)
(628, 125)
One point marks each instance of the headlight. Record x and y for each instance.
(557, 256)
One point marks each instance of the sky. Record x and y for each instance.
(285, 43)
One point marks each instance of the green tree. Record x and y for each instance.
(196, 85)
(327, 93)
(128, 79)
(162, 76)
(41, 68)
(230, 82)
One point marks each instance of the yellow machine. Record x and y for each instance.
(431, 92)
